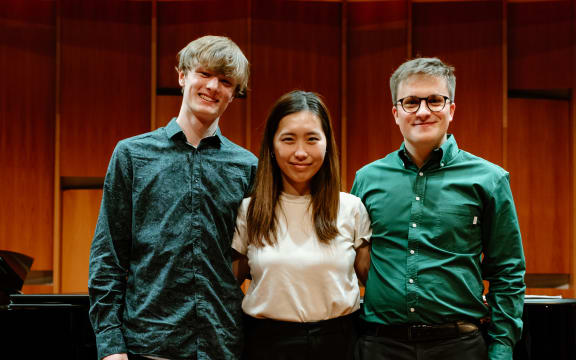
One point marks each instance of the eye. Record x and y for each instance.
(204, 74)
(313, 139)
(287, 139)
(226, 82)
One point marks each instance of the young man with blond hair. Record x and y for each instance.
(161, 283)
(443, 221)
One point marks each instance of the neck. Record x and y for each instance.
(194, 129)
(420, 154)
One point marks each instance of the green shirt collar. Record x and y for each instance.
(444, 154)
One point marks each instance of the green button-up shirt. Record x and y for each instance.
(431, 227)
(161, 281)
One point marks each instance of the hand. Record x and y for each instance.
(116, 357)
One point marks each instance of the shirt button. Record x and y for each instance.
(417, 198)
(412, 309)
(412, 252)
(411, 281)
(414, 225)
(441, 164)
(421, 173)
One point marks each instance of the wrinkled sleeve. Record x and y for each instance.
(363, 230)
(503, 267)
(109, 255)
(240, 239)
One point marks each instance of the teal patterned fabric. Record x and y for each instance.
(431, 227)
(161, 279)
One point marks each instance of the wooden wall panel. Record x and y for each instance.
(27, 63)
(105, 80)
(377, 45)
(540, 45)
(468, 36)
(540, 151)
(183, 21)
(79, 216)
(295, 45)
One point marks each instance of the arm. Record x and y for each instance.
(116, 357)
(362, 262)
(503, 267)
(240, 267)
(109, 257)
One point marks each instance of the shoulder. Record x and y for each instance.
(377, 166)
(237, 153)
(479, 165)
(141, 141)
(350, 203)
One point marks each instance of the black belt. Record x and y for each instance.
(419, 332)
(275, 328)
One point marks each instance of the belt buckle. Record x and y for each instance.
(418, 332)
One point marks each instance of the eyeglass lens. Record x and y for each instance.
(411, 104)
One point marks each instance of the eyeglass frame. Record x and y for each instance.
(446, 99)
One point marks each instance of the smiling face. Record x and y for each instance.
(206, 94)
(299, 150)
(423, 130)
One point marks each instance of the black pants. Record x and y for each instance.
(468, 347)
(332, 339)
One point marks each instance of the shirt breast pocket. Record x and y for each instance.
(458, 229)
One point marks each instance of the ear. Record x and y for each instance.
(395, 114)
(452, 110)
(181, 78)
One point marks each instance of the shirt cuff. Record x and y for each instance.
(110, 342)
(499, 351)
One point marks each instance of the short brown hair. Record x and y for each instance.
(261, 218)
(423, 66)
(218, 54)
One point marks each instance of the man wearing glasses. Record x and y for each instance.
(443, 221)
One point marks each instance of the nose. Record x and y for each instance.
(300, 153)
(423, 109)
(212, 83)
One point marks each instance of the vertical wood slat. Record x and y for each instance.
(27, 61)
(57, 231)
(539, 142)
(79, 213)
(468, 36)
(573, 162)
(105, 88)
(307, 57)
(377, 45)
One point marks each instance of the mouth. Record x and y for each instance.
(428, 123)
(300, 166)
(207, 98)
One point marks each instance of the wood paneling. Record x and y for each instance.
(183, 21)
(540, 45)
(377, 45)
(105, 80)
(27, 64)
(295, 45)
(79, 215)
(469, 37)
(539, 163)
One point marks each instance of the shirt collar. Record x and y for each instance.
(445, 153)
(173, 130)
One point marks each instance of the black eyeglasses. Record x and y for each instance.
(411, 104)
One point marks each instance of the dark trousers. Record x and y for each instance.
(468, 347)
(332, 339)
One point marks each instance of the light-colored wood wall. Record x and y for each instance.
(79, 76)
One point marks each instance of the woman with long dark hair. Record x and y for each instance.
(301, 240)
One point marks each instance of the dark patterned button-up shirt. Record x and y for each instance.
(161, 281)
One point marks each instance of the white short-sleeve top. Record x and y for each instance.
(301, 279)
